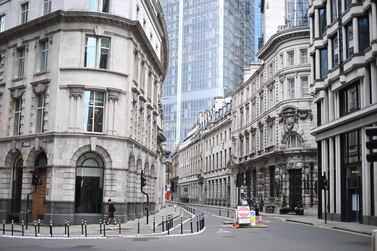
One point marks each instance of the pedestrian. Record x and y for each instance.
(111, 212)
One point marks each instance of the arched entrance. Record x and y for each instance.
(17, 184)
(39, 196)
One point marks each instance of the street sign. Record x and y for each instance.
(252, 218)
(243, 214)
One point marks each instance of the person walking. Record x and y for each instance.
(111, 212)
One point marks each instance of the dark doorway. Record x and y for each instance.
(295, 188)
(17, 185)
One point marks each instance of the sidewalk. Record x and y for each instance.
(93, 230)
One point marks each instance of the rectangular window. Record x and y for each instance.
(44, 56)
(351, 142)
(335, 50)
(364, 39)
(261, 139)
(304, 85)
(2, 23)
(290, 58)
(261, 103)
(17, 116)
(322, 21)
(349, 99)
(324, 67)
(349, 40)
(99, 5)
(334, 10)
(291, 88)
(46, 7)
(303, 56)
(96, 52)
(21, 62)
(40, 113)
(94, 104)
(24, 12)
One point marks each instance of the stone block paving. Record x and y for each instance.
(129, 228)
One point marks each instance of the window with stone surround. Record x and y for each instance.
(99, 5)
(24, 12)
(349, 98)
(96, 52)
(2, 23)
(44, 55)
(41, 108)
(294, 141)
(364, 38)
(304, 85)
(94, 105)
(290, 58)
(304, 56)
(322, 20)
(21, 54)
(17, 116)
(335, 50)
(291, 90)
(46, 7)
(349, 39)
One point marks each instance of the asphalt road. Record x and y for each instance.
(279, 235)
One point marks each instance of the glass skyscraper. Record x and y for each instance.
(210, 41)
(296, 12)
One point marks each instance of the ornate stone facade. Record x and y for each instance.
(80, 107)
(274, 163)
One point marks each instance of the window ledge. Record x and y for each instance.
(40, 73)
(18, 79)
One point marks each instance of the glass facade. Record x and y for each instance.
(296, 13)
(210, 42)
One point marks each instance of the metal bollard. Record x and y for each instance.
(219, 212)
(191, 225)
(193, 210)
(120, 227)
(39, 226)
(23, 228)
(104, 229)
(227, 213)
(203, 221)
(82, 227)
(86, 230)
(172, 221)
(374, 240)
(50, 227)
(3, 227)
(138, 226)
(100, 227)
(154, 225)
(168, 229)
(181, 226)
(67, 228)
(162, 224)
(35, 228)
(166, 222)
(12, 226)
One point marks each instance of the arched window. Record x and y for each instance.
(17, 184)
(89, 183)
(294, 141)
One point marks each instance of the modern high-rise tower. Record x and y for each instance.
(210, 41)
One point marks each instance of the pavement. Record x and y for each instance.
(129, 228)
(309, 218)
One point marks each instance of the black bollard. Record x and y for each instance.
(192, 230)
(181, 226)
(193, 210)
(168, 229)
(68, 228)
(39, 226)
(166, 221)
(35, 228)
(219, 212)
(50, 227)
(138, 226)
(22, 228)
(65, 227)
(227, 213)
(154, 225)
(162, 224)
(197, 223)
(86, 230)
(203, 221)
(3, 227)
(100, 227)
(12, 226)
(120, 227)
(82, 227)
(104, 229)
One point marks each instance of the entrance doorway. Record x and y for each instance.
(39, 196)
(295, 188)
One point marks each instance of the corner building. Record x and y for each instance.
(274, 153)
(343, 49)
(80, 86)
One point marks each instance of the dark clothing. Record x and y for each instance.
(111, 211)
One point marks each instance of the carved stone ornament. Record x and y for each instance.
(39, 88)
(270, 120)
(260, 125)
(113, 96)
(290, 115)
(76, 91)
(252, 130)
(17, 93)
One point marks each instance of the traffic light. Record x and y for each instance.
(143, 180)
(35, 178)
(323, 183)
(371, 143)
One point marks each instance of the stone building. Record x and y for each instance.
(343, 50)
(274, 163)
(203, 156)
(80, 86)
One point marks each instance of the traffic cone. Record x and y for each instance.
(260, 221)
(234, 224)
